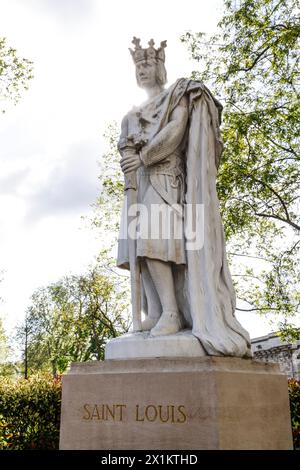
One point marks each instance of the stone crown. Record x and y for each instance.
(148, 54)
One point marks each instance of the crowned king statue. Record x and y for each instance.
(171, 235)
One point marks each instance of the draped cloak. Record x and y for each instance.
(204, 288)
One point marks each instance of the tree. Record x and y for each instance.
(22, 337)
(71, 320)
(15, 73)
(252, 65)
(7, 367)
(107, 208)
(4, 348)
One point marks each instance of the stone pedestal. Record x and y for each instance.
(143, 345)
(175, 403)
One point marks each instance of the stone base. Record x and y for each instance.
(187, 403)
(142, 345)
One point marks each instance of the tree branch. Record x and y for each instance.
(286, 149)
(263, 183)
(257, 58)
(277, 217)
(257, 309)
(248, 275)
(248, 256)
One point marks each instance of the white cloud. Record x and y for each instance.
(70, 187)
(67, 10)
(10, 183)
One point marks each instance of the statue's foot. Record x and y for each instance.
(168, 324)
(149, 323)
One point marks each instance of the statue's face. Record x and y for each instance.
(146, 74)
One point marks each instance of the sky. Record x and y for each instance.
(51, 142)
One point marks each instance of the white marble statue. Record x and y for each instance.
(170, 150)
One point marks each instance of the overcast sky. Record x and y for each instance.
(51, 142)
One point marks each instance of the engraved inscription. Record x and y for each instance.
(103, 412)
(161, 413)
(151, 413)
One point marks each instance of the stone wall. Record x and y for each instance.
(271, 348)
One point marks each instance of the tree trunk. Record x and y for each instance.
(26, 354)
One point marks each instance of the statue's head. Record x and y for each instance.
(150, 64)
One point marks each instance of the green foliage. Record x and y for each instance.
(4, 349)
(294, 394)
(7, 368)
(10, 369)
(71, 320)
(30, 413)
(108, 206)
(15, 73)
(252, 65)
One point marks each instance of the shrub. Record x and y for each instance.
(294, 393)
(30, 413)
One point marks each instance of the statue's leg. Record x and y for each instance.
(162, 276)
(153, 302)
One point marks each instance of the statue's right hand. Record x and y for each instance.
(128, 154)
(130, 161)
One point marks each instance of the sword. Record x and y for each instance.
(134, 264)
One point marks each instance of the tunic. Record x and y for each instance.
(161, 187)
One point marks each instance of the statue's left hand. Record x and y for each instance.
(130, 162)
